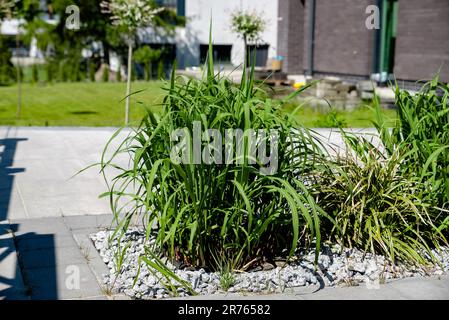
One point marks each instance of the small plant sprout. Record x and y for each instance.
(85, 251)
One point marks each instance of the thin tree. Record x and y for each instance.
(6, 8)
(248, 26)
(25, 10)
(6, 12)
(130, 15)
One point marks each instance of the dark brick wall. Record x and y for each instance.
(291, 35)
(343, 44)
(422, 44)
(284, 37)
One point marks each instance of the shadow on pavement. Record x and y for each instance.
(7, 173)
(24, 271)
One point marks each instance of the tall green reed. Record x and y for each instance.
(201, 211)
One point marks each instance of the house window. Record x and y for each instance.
(261, 54)
(181, 8)
(222, 53)
(177, 5)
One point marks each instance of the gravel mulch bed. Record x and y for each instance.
(336, 266)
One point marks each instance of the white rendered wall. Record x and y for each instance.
(196, 32)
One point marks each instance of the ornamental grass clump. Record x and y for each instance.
(392, 199)
(378, 208)
(243, 208)
(422, 132)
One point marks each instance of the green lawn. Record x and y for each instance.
(77, 104)
(98, 104)
(360, 117)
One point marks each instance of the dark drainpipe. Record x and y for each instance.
(375, 69)
(311, 37)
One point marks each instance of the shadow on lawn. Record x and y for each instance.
(86, 112)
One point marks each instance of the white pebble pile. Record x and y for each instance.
(336, 266)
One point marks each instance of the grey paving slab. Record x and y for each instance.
(75, 281)
(102, 297)
(429, 288)
(46, 225)
(51, 257)
(11, 282)
(426, 288)
(34, 241)
(88, 221)
(42, 207)
(64, 205)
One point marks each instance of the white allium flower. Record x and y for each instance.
(6, 8)
(131, 14)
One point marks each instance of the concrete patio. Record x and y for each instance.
(37, 167)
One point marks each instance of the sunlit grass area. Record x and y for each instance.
(76, 104)
(99, 104)
(360, 117)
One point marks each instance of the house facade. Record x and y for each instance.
(327, 37)
(314, 37)
(190, 41)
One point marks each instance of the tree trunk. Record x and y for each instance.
(245, 49)
(147, 71)
(19, 77)
(106, 51)
(128, 84)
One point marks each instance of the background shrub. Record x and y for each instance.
(7, 70)
(92, 69)
(34, 74)
(49, 70)
(119, 74)
(105, 75)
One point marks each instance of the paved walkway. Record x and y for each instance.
(46, 213)
(36, 170)
(45, 219)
